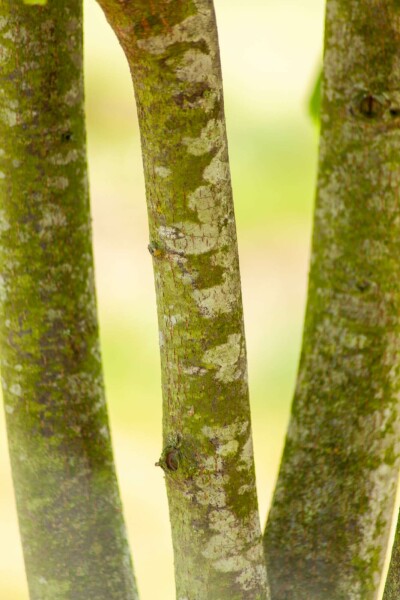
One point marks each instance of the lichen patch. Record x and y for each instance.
(8, 116)
(224, 548)
(162, 172)
(58, 183)
(4, 223)
(217, 170)
(195, 238)
(210, 137)
(228, 449)
(15, 389)
(3, 289)
(203, 201)
(192, 370)
(217, 300)
(246, 455)
(224, 358)
(65, 159)
(169, 232)
(192, 29)
(196, 66)
(74, 95)
(172, 320)
(54, 217)
(226, 433)
(54, 314)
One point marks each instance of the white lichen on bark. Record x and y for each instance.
(173, 54)
(225, 359)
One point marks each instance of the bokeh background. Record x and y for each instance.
(271, 52)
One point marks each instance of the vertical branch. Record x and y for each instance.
(173, 54)
(327, 532)
(68, 503)
(392, 585)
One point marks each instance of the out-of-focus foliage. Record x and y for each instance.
(314, 104)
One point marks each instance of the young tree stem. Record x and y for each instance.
(69, 509)
(173, 54)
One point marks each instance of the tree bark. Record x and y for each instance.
(173, 54)
(69, 510)
(392, 585)
(327, 532)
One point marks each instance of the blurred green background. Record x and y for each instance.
(270, 56)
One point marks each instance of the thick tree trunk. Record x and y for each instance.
(172, 50)
(69, 510)
(327, 532)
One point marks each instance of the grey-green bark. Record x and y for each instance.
(392, 585)
(172, 50)
(327, 532)
(68, 503)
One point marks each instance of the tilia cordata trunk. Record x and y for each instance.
(172, 50)
(68, 504)
(327, 532)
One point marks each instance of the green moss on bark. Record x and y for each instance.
(68, 504)
(208, 461)
(392, 585)
(327, 532)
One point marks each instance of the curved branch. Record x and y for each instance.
(173, 54)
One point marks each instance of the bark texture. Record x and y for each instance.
(392, 585)
(172, 50)
(68, 503)
(327, 532)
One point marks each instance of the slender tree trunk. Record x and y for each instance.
(173, 54)
(327, 532)
(392, 586)
(69, 510)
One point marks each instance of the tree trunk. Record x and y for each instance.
(392, 585)
(173, 54)
(69, 510)
(327, 532)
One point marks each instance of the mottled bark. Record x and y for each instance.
(69, 510)
(392, 585)
(327, 532)
(173, 54)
